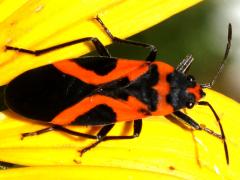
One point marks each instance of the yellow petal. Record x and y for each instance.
(81, 172)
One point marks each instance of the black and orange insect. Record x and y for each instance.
(103, 90)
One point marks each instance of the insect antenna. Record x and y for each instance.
(221, 66)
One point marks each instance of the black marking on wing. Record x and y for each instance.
(115, 89)
(141, 88)
(44, 92)
(100, 65)
(99, 115)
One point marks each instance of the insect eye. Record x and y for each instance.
(190, 104)
(190, 78)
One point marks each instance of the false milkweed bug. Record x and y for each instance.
(103, 90)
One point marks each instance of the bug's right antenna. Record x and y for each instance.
(221, 66)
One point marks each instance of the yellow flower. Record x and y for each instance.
(164, 149)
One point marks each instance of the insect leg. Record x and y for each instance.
(98, 45)
(102, 135)
(188, 120)
(137, 127)
(41, 131)
(197, 126)
(205, 103)
(58, 128)
(153, 50)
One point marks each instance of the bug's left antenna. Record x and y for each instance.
(221, 66)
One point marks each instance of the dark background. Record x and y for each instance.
(202, 32)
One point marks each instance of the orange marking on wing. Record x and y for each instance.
(123, 67)
(125, 110)
(143, 68)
